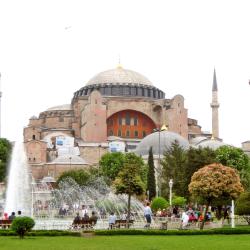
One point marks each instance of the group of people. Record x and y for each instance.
(85, 216)
(12, 216)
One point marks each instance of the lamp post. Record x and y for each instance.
(170, 191)
(158, 187)
(70, 162)
(232, 215)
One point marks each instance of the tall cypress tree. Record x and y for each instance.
(151, 175)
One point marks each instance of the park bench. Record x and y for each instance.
(4, 224)
(123, 223)
(83, 224)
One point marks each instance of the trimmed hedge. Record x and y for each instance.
(174, 232)
(52, 233)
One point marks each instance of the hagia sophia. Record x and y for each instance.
(116, 110)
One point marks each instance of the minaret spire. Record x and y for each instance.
(215, 108)
(215, 88)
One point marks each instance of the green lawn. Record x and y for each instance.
(206, 242)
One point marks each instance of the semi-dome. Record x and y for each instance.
(211, 143)
(164, 138)
(118, 76)
(60, 107)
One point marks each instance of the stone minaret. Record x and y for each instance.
(215, 109)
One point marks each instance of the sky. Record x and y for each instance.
(49, 49)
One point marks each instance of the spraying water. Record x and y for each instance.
(18, 189)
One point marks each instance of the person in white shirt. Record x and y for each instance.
(112, 220)
(84, 211)
(148, 214)
(184, 220)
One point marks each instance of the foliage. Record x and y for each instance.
(22, 225)
(220, 231)
(151, 175)
(80, 176)
(159, 203)
(5, 151)
(111, 164)
(173, 164)
(214, 182)
(243, 204)
(129, 179)
(235, 158)
(179, 201)
(196, 159)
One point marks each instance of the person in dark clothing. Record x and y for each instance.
(93, 218)
(12, 216)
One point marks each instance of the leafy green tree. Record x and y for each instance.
(80, 176)
(129, 179)
(214, 182)
(196, 159)
(243, 206)
(5, 151)
(22, 225)
(235, 158)
(111, 164)
(179, 201)
(151, 175)
(159, 203)
(173, 164)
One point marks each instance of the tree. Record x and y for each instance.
(159, 203)
(5, 151)
(214, 182)
(129, 179)
(173, 164)
(243, 206)
(22, 225)
(81, 177)
(196, 159)
(111, 164)
(179, 201)
(235, 158)
(151, 175)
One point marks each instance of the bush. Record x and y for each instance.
(22, 225)
(220, 231)
(159, 203)
(179, 201)
(243, 204)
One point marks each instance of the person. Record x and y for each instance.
(184, 220)
(124, 216)
(5, 216)
(85, 217)
(112, 220)
(77, 219)
(148, 214)
(84, 210)
(19, 213)
(175, 211)
(93, 218)
(12, 216)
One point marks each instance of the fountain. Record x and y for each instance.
(58, 211)
(45, 204)
(18, 189)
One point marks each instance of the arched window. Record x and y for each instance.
(33, 137)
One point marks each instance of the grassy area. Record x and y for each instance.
(213, 242)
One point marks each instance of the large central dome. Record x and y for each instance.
(119, 75)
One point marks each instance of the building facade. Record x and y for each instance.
(115, 103)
